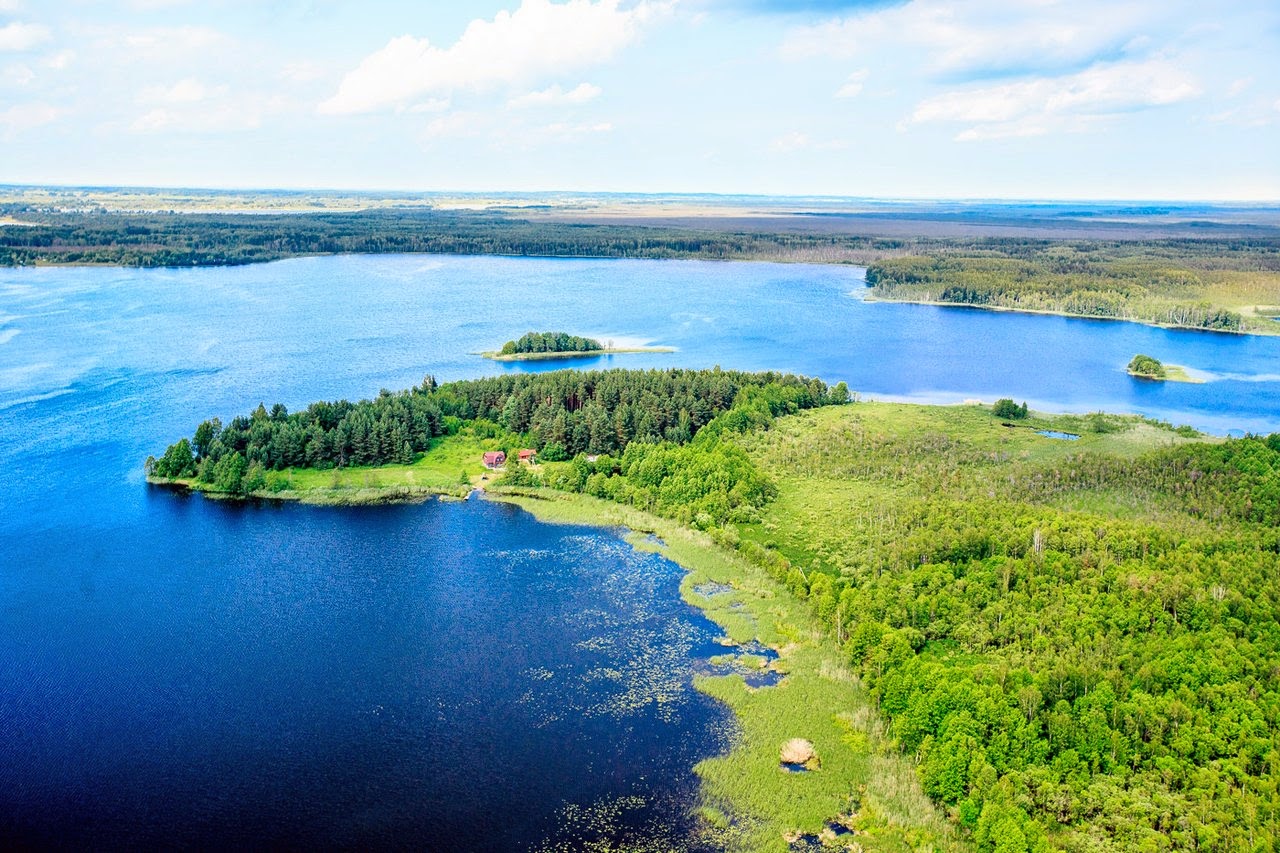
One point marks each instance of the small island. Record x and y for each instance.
(533, 346)
(1145, 367)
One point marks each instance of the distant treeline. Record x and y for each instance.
(202, 239)
(550, 342)
(1162, 282)
(158, 239)
(562, 413)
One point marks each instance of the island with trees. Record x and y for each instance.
(534, 346)
(1145, 367)
(992, 642)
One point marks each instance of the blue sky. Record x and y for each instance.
(1165, 99)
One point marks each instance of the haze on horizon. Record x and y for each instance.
(920, 99)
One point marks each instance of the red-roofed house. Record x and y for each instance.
(529, 457)
(495, 459)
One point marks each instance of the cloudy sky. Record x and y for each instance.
(1150, 99)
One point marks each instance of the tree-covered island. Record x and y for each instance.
(1145, 367)
(993, 640)
(533, 346)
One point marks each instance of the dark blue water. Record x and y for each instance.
(441, 676)
(447, 676)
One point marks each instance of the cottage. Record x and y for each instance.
(528, 457)
(495, 459)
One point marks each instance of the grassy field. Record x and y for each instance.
(844, 474)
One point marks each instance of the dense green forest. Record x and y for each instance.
(533, 342)
(1098, 679)
(560, 413)
(1081, 648)
(1206, 285)
(198, 239)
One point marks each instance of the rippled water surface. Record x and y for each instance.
(444, 675)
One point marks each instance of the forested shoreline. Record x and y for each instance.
(211, 239)
(561, 414)
(1212, 283)
(1184, 285)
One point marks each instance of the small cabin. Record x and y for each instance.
(528, 457)
(495, 459)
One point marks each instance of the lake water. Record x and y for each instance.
(444, 675)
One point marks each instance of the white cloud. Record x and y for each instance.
(853, 86)
(172, 44)
(10, 5)
(22, 117)
(985, 36)
(797, 141)
(431, 105)
(1256, 113)
(302, 72)
(17, 75)
(18, 36)
(219, 118)
(557, 96)
(187, 91)
(453, 124)
(793, 141)
(153, 5)
(538, 39)
(59, 61)
(1238, 87)
(1072, 102)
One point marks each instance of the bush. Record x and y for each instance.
(1009, 410)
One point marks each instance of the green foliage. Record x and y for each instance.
(1109, 679)
(204, 239)
(178, 461)
(1145, 365)
(564, 413)
(1159, 282)
(554, 451)
(550, 342)
(1008, 410)
(228, 473)
(708, 482)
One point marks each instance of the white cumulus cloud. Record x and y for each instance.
(1032, 107)
(852, 87)
(186, 91)
(538, 39)
(18, 36)
(21, 117)
(984, 36)
(557, 96)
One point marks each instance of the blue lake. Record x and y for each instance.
(445, 675)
